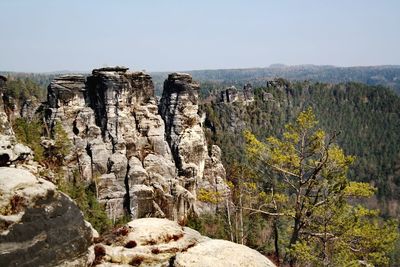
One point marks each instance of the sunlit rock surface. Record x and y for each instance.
(154, 242)
(144, 162)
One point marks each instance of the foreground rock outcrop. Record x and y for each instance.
(39, 226)
(154, 242)
(144, 162)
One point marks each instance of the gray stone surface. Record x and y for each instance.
(231, 94)
(39, 226)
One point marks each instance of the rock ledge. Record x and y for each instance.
(160, 242)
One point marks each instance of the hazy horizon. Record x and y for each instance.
(158, 36)
(192, 70)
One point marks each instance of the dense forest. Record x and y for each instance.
(212, 80)
(365, 118)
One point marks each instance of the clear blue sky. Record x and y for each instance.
(50, 35)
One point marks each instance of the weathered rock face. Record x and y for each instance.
(179, 109)
(66, 91)
(185, 135)
(231, 94)
(159, 242)
(39, 226)
(248, 93)
(122, 144)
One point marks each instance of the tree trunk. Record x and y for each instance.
(276, 242)
(241, 220)
(229, 220)
(293, 240)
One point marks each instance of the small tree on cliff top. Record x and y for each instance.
(311, 171)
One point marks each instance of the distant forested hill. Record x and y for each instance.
(213, 79)
(375, 75)
(367, 117)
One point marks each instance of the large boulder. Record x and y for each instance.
(219, 253)
(152, 242)
(39, 226)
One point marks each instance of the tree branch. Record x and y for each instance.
(265, 212)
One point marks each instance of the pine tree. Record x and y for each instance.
(311, 170)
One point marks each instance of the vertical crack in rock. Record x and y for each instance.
(127, 198)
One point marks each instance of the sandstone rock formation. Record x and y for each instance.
(231, 94)
(39, 226)
(248, 93)
(154, 242)
(141, 164)
(196, 168)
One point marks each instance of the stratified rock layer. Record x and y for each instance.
(39, 226)
(143, 164)
(152, 242)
